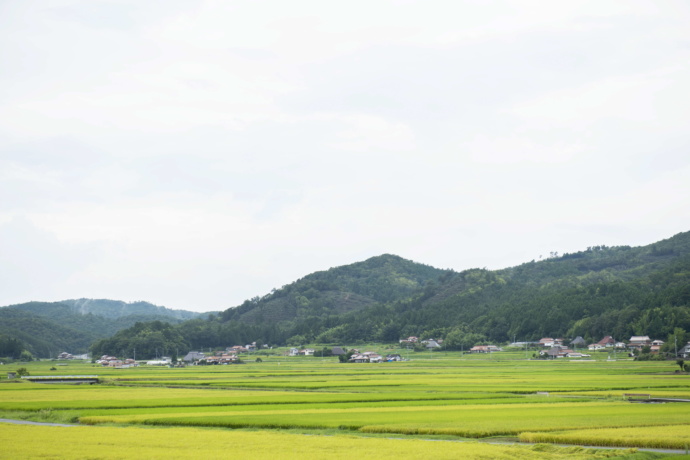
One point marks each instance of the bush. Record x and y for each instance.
(22, 372)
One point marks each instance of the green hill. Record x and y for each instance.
(337, 291)
(602, 290)
(117, 309)
(48, 328)
(619, 291)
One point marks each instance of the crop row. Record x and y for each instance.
(667, 436)
(19, 441)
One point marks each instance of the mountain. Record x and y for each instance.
(47, 328)
(619, 291)
(599, 291)
(117, 309)
(337, 291)
(41, 336)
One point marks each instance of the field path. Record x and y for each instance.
(27, 422)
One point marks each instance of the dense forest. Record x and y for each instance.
(619, 291)
(48, 328)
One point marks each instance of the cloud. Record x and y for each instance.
(196, 154)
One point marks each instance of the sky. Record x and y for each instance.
(195, 154)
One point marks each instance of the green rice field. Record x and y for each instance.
(444, 402)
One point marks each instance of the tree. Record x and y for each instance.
(26, 356)
(22, 371)
(681, 363)
(11, 347)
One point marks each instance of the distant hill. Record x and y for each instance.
(117, 309)
(337, 291)
(599, 291)
(619, 291)
(44, 337)
(48, 328)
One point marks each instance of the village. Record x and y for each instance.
(546, 348)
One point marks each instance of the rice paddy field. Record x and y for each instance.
(443, 405)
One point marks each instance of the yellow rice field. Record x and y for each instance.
(20, 441)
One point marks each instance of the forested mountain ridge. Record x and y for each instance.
(618, 291)
(48, 328)
(337, 291)
(117, 309)
(599, 291)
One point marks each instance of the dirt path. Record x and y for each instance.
(27, 422)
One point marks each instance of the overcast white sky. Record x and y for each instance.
(194, 154)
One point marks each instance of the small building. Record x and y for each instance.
(375, 358)
(431, 344)
(338, 351)
(410, 340)
(485, 349)
(359, 358)
(639, 341)
(193, 356)
(578, 342)
(557, 352)
(546, 342)
(393, 357)
(685, 351)
(607, 342)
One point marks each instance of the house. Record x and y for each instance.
(607, 342)
(393, 357)
(375, 358)
(574, 354)
(546, 342)
(359, 358)
(485, 349)
(430, 344)
(639, 341)
(338, 351)
(595, 347)
(193, 356)
(65, 355)
(578, 342)
(366, 357)
(410, 339)
(556, 352)
(227, 358)
(307, 352)
(294, 351)
(656, 346)
(685, 351)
